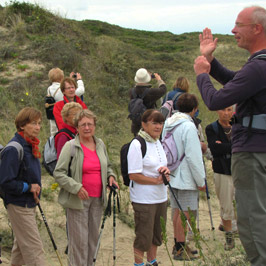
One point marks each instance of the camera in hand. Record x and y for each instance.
(152, 76)
(74, 75)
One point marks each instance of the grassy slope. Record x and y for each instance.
(35, 40)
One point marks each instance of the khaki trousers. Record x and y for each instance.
(83, 231)
(27, 248)
(249, 175)
(225, 191)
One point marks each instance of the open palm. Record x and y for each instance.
(207, 43)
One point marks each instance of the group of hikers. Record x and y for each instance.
(236, 146)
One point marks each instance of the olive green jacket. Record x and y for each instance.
(70, 185)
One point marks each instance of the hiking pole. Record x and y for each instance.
(198, 216)
(178, 204)
(209, 205)
(107, 212)
(114, 187)
(50, 234)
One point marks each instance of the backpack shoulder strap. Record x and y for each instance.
(143, 145)
(166, 96)
(72, 148)
(19, 148)
(176, 96)
(215, 127)
(67, 131)
(144, 93)
(56, 91)
(260, 56)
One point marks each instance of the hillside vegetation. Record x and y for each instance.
(33, 40)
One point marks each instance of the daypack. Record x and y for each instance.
(50, 154)
(136, 107)
(171, 151)
(49, 105)
(123, 158)
(167, 109)
(20, 151)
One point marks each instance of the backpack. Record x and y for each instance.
(123, 158)
(50, 154)
(20, 151)
(136, 106)
(171, 151)
(167, 109)
(49, 105)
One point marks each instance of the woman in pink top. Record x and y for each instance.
(83, 194)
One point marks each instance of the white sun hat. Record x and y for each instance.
(142, 76)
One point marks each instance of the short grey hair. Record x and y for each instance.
(259, 16)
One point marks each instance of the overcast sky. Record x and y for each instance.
(175, 16)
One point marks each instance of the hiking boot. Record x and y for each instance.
(229, 241)
(184, 254)
(191, 250)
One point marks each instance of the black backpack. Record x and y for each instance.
(123, 158)
(49, 105)
(136, 107)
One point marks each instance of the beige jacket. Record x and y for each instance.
(70, 186)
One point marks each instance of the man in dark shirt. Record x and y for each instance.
(247, 89)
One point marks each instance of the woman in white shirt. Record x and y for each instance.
(147, 190)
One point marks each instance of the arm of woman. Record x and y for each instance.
(9, 170)
(80, 89)
(57, 114)
(193, 155)
(61, 171)
(215, 144)
(145, 180)
(111, 177)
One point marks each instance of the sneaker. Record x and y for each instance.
(221, 227)
(184, 254)
(230, 241)
(190, 250)
(153, 264)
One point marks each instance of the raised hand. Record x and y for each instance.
(207, 44)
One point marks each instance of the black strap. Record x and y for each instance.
(143, 145)
(65, 130)
(135, 95)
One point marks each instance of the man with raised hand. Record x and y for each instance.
(247, 89)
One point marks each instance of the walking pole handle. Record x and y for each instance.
(207, 191)
(165, 179)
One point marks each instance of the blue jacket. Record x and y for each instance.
(171, 94)
(11, 181)
(190, 174)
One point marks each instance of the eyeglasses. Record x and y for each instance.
(89, 125)
(156, 123)
(35, 124)
(240, 25)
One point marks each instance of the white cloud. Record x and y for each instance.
(170, 15)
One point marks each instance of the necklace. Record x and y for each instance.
(228, 132)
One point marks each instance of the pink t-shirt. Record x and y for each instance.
(91, 173)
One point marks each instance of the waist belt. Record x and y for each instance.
(258, 122)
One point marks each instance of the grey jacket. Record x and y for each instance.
(70, 186)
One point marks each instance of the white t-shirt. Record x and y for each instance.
(148, 166)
